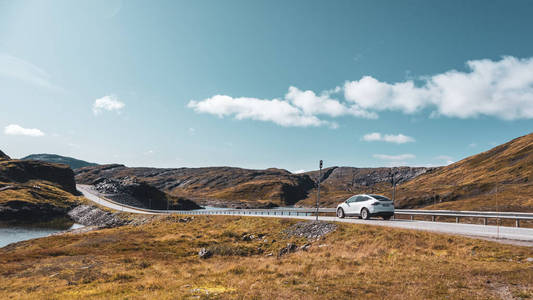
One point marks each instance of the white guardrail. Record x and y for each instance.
(485, 215)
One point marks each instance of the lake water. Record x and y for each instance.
(10, 235)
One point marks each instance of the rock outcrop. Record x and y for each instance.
(20, 171)
(130, 191)
(92, 216)
(34, 191)
(217, 186)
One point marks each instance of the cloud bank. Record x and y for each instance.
(297, 109)
(107, 103)
(389, 138)
(15, 129)
(502, 89)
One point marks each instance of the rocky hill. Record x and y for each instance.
(339, 183)
(236, 187)
(217, 186)
(130, 191)
(58, 159)
(498, 179)
(35, 190)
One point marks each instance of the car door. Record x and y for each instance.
(356, 206)
(363, 201)
(350, 204)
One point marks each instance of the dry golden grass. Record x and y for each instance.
(38, 192)
(159, 261)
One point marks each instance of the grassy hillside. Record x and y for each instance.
(58, 159)
(498, 179)
(33, 191)
(160, 260)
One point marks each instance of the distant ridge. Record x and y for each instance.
(58, 159)
(4, 156)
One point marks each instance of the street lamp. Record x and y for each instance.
(318, 189)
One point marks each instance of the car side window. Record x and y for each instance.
(359, 199)
(351, 199)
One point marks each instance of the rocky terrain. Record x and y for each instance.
(244, 188)
(32, 191)
(218, 186)
(136, 193)
(73, 163)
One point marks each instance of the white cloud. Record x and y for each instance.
(107, 103)
(472, 145)
(390, 138)
(298, 171)
(394, 157)
(502, 89)
(19, 69)
(15, 129)
(298, 109)
(277, 111)
(191, 131)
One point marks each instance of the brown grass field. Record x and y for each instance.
(159, 260)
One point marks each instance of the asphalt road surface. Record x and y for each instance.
(513, 235)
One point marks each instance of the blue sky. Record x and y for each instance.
(264, 84)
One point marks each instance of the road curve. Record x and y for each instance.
(90, 194)
(512, 235)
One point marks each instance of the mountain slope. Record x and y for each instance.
(217, 186)
(34, 190)
(339, 183)
(236, 187)
(498, 179)
(58, 159)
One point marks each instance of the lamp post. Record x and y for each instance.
(318, 188)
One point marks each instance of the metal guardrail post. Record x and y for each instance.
(485, 221)
(433, 218)
(456, 219)
(412, 217)
(517, 223)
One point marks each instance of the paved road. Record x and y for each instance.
(90, 194)
(512, 235)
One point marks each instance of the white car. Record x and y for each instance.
(366, 206)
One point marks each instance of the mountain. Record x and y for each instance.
(35, 190)
(141, 194)
(498, 179)
(216, 186)
(236, 187)
(58, 159)
(339, 183)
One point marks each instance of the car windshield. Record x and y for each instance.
(380, 198)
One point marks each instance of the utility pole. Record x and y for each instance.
(393, 182)
(318, 188)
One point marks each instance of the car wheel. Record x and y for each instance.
(386, 217)
(340, 213)
(364, 214)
